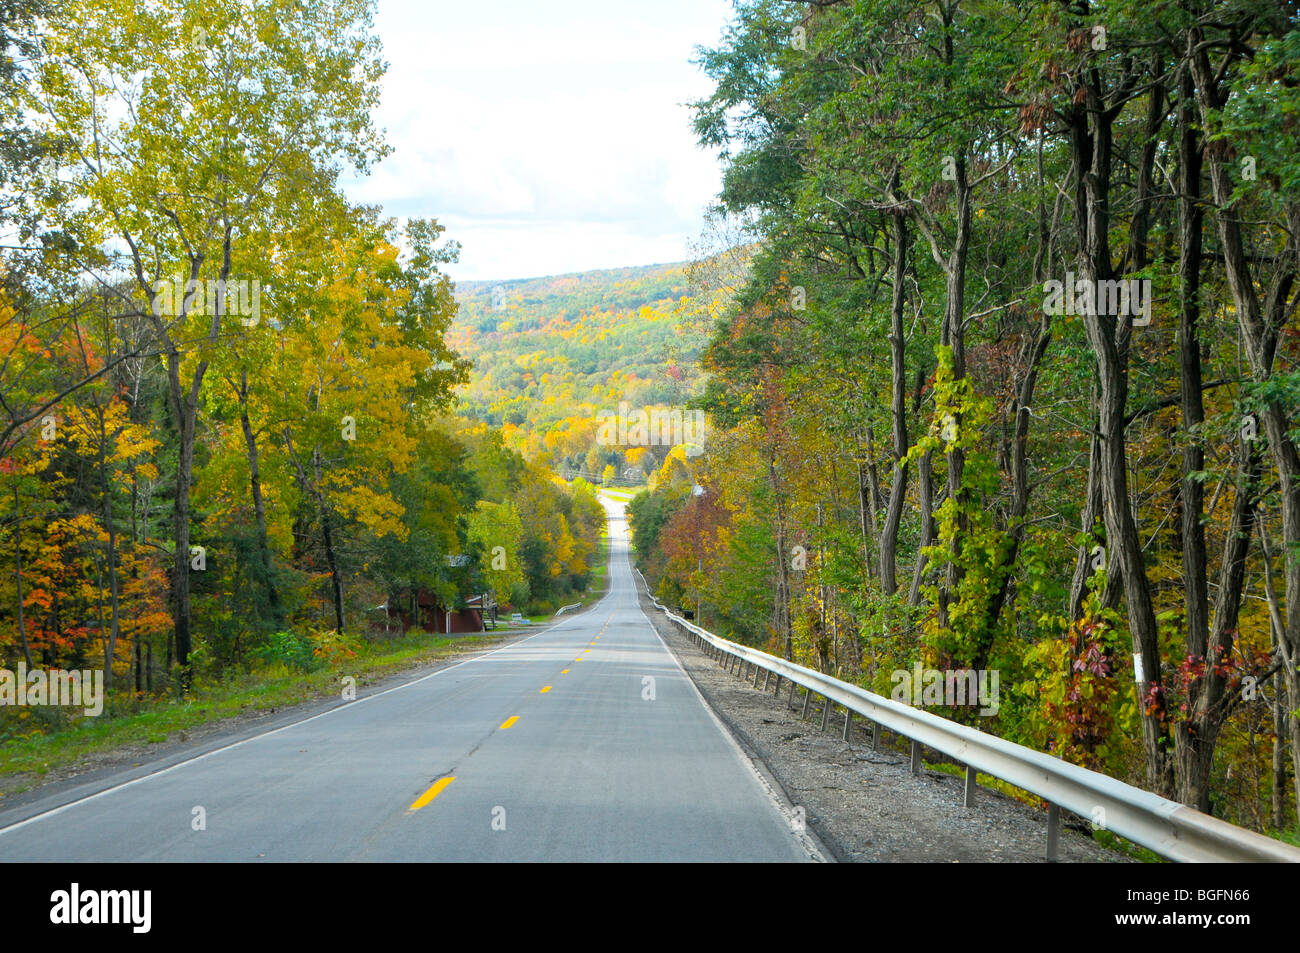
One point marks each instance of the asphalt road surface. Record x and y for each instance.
(583, 742)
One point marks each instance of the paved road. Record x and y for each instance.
(556, 746)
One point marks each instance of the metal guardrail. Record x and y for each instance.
(1172, 830)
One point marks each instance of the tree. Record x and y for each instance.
(284, 85)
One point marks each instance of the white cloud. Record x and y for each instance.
(547, 137)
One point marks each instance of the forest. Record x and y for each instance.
(1012, 384)
(551, 355)
(228, 432)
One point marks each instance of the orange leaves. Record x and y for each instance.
(38, 598)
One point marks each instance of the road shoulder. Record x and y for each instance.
(119, 764)
(865, 805)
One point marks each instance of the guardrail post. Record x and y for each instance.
(790, 703)
(876, 732)
(777, 693)
(916, 757)
(1053, 833)
(807, 697)
(1146, 819)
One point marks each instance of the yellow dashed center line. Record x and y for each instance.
(508, 722)
(565, 672)
(546, 689)
(430, 794)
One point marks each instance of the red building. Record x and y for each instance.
(431, 616)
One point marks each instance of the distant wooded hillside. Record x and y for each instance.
(552, 353)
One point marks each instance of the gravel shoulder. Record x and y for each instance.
(865, 805)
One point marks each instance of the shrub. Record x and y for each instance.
(291, 649)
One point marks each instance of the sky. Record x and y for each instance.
(548, 137)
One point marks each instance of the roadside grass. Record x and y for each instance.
(32, 745)
(1126, 846)
(1291, 837)
(600, 572)
(622, 494)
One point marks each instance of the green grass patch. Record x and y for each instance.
(600, 572)
(1125, 846)
(989, 781)
(622, 494)
(1291, 837)
(37, 741)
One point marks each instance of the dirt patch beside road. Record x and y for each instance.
(865, 805)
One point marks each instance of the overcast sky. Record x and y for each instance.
(548, 137)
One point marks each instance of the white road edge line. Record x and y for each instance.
(779, 801)
(275, 731)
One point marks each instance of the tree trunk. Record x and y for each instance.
(331, 557)
(180, 582)
(18, 577)
(1195, 594)
(1260, 321)
(1091, 514)
(925, 496)
(953, 336)
(1197, 734)
(115, 612)
(897, 352)
(259, 506)
(863, 505)
(1278, 787)
(1034, 351)
(784, 609)
(1109, 336)
(1287, 660)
